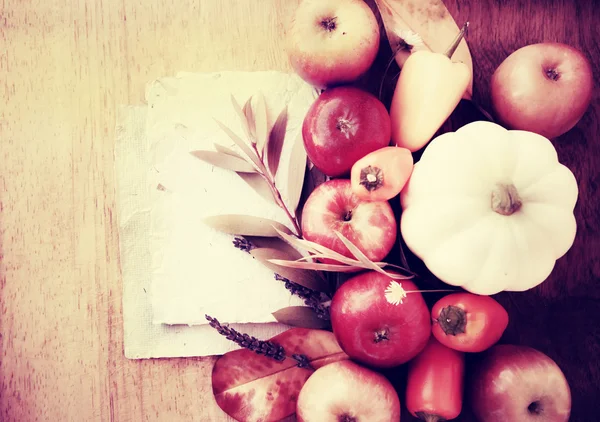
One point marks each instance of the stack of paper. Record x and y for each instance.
(176, 269)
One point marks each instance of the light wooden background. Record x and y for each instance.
(65, 65)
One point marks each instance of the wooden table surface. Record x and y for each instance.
(65, 66)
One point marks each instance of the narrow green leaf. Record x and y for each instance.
(300, 316)
(224, 161)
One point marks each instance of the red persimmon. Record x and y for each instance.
(468, 322)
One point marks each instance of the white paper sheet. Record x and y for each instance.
(142, 338)
(196, 270)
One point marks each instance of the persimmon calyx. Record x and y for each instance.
(371, 178)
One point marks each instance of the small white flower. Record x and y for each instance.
(411, 38)
(394, 293)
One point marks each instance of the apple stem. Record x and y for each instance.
(457, 40)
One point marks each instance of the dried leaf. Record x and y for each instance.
(223, 149)
(249, 113)
(259, 184)
(305, 278)
(243, 145)
(251, 387)
(242, 117)
(431, 21)
(274, 243)
(297, 242)
(317, 266)
(276, 140)
(319, 252)
(225, 161)
(358, 254)
(246, 225)
(296, 170)
(300, 316)
(339, 268)
(261, 122)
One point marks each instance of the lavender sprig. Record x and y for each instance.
(267, 348)
(318, 301)
(243, 244)
(261, 347)
(303, 361)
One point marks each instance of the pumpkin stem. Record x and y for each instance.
(505, 199)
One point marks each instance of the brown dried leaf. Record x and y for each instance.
(223, 149)
(240, 143)
(251, 387)
(224, 161)
(431, 21)
(276, 140)
(296, 171)
(305, 278)
(249, 113)
(261, 122)
(297, 242)
(245, 225)
(300, 316)
(242, 116)
(274, 243)
(259, 184)
(339, 268)
(358, 254)
(317, 266)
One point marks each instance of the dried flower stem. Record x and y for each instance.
(243, 244)
(317, 301)
(261, 347)
(266, 348)
(268, 177)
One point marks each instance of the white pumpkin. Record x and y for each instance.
(489, 209)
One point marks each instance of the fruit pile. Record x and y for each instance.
(487, 208)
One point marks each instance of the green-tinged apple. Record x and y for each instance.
(347, 392)
(544, 88)
(330, 42)
(342, 126)
(378, 321)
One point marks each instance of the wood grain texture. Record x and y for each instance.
(64, 68)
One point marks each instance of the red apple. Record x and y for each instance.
(333, 206)
(347, 392)
(331, 42)
(519, 383)
(544, 88)
(377, 323)
(343, 125)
